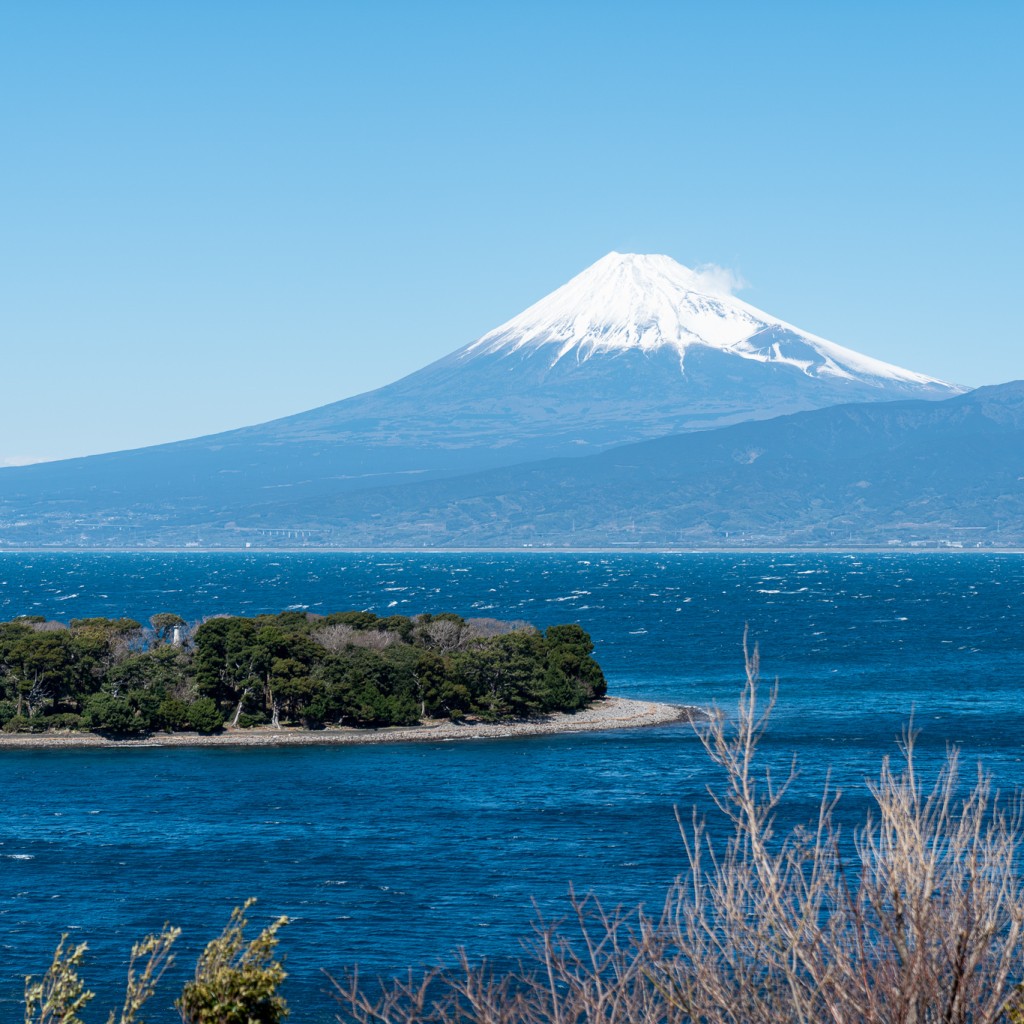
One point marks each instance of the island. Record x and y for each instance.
(295, 677)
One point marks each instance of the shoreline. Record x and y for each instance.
(605, 715)
(867, 549)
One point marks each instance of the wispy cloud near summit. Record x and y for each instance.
(720, 280)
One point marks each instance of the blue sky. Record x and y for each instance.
(217, 213)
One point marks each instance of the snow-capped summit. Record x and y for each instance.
(646, 303)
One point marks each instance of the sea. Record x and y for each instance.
(398, 856)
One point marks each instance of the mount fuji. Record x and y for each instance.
(634, 348)
(643, 346)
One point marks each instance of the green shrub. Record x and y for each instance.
(103, 712)
(247, 720)
(172, 714)
(64, 720)
(204, 715)
(236, 982)
(21, 723)
(8, 709)
(58, 996)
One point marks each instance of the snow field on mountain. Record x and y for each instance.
(647, 302)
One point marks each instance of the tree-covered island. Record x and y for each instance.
(120, 678)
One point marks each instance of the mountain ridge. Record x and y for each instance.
(914, 472)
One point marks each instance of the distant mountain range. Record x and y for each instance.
(911, 473)
(633, 349)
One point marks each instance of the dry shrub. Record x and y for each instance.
(445, 636)
(337, 638)
(919, 920)
(49, 626)
(442, 635)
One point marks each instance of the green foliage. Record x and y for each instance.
(504, 674)
(400, 624)
(248, 721)
(204, 716)
(64, 720)
(427, 618)
(99, 644)
(20, 723)
(60, 994)
(350, 668)
(224, 662)
(120, 715)
(439, 694)
(357, 620)
(37, 668)
(106, 628)
(172, 714)
(8, 709)
(155, 671)
(573, 678)
(236, 982)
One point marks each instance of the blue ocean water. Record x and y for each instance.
(394, 856)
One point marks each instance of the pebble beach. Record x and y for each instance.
(609, 713)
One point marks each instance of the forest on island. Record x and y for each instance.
(353, 668)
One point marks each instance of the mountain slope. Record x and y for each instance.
(635, 347)
(949, 472)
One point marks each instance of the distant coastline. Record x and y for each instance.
(539, 549)
(607, 714)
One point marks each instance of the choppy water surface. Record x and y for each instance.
(397, 855)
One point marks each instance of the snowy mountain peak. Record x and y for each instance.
(630, 301)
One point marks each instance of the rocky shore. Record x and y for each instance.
(610, 713)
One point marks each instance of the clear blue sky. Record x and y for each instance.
(217, 213)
